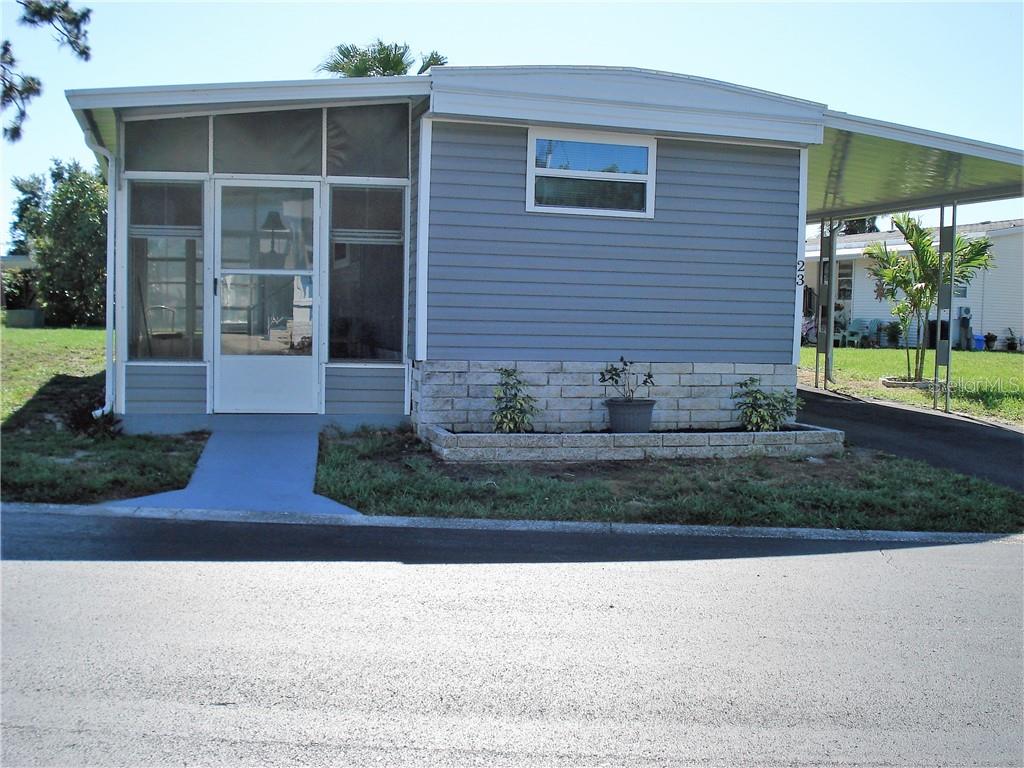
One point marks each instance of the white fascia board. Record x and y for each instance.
(544, 109)
(228, 93)
(649, 74)
(855, 124)
(845, 254)
(423, 237)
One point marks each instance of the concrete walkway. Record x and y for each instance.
(260, 464)
(953, 442)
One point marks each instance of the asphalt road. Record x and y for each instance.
(963, 445)
(141, 642)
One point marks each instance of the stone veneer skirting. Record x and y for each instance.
(798, 440)
(458, 394)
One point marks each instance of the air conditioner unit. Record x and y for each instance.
(965, 312)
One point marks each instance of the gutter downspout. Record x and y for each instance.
(108, 386)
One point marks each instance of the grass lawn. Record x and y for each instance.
(50, 376)
(988, 385)
(392, 473)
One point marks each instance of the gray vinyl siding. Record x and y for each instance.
(165, 389)
(709, 279)
(357, 391)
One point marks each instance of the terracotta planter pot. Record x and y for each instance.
(629, 415)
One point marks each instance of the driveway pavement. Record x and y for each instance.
(140, 642)
(963, 445)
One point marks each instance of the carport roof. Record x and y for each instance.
(856, 166)
(866, 167)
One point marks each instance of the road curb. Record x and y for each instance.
(544, 526)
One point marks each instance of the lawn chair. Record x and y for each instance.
(875, 330)
(856, 332)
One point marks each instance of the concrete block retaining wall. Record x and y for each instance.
(799, 440)
(459, 394)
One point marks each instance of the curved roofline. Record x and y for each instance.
(653, 73)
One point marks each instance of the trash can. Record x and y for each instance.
(979, 342)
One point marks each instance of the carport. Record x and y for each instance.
(867, 167)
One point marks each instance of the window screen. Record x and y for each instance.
(173, 144)
(287, 142)
(368, 141)
(165, 271)
(266, 228)
(367, 265)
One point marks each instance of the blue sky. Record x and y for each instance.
(950, 67)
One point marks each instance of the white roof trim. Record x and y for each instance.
(851, 254)
(650, 73)
(620, 98)
(227, 93)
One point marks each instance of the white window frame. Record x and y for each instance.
(650, 143)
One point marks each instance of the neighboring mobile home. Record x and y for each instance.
(993, 302)
(372, 250)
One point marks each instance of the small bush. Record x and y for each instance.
(19, 288)
(893, 333)
(513, 408)
(764, 412)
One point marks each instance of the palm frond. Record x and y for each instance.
(379, 59)
(432, 59)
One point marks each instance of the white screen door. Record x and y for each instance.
(266, 302)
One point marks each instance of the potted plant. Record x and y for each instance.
(1011, 341)
(627, 413)
(990, 341)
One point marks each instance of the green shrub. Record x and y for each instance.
(19, 288)
(513, 408)
(761, 411)
(893, 333)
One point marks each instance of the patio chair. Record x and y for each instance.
(856, 332)
(875, 331)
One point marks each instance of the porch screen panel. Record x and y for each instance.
(366, 286)
(368, 141)
(266, 228)
(283, 142)
(173, 144)
(165, 271)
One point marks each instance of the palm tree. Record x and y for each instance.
(912, 280)
(379, 59)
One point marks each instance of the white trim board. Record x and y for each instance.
(801, 244)
(268, 91)
(423, 236)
